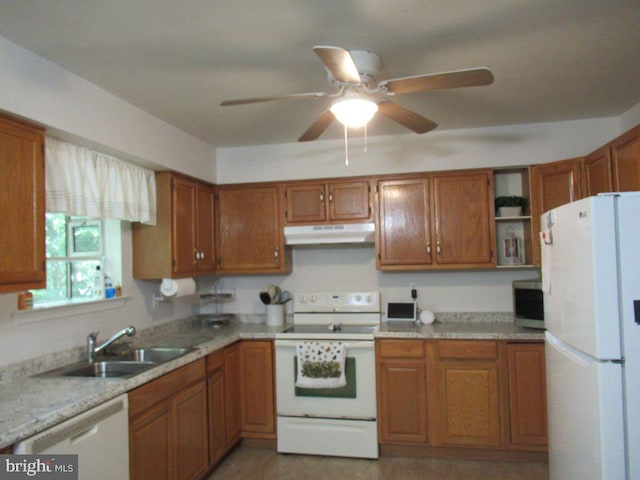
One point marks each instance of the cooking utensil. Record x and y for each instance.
(265, 297)
(285, 296)
(272, 290)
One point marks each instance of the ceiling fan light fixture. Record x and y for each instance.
(354, 112)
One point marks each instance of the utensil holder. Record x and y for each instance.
(275, 314)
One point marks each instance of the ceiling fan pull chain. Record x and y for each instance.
(346, 147)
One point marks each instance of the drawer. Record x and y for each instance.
(467, 349)
(163, 387)
(401, 348)
(215, 361)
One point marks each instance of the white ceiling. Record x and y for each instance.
(178, 59)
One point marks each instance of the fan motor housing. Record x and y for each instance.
(368, 64)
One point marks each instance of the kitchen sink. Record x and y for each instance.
(125, 365)
(155, 354)
(110, 369)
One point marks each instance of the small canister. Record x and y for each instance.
(25, 300)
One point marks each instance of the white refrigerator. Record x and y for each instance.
(591, 284)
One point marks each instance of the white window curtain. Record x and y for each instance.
(82, 182)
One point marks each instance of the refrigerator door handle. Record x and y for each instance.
(569, 351)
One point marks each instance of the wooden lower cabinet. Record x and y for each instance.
(464, 390)
(402, 392)
(456, 397)
(168, 437)
(256, 390)
(527, 396)
(223, 401)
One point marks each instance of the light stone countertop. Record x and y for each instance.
(29, 405)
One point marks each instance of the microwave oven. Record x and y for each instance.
(528, 303)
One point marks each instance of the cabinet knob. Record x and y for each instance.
(321, 197)
(438, 248)
(330, 197)
(429, 248)
(276, 253)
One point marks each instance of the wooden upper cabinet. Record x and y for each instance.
(404, 230)
(333, 202)
(625, 153)
(555, 184)
(438, 221)
(22, 204)
(463, 219)
(181, 244)
(552, 184)
(597, 172)
(249, 230)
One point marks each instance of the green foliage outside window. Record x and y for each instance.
(73, 250)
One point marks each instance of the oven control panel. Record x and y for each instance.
(336, 302)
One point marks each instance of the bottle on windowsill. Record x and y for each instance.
(98, 284)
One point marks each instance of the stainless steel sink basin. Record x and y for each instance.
(121, 366)
(155, 354)
(110, 369)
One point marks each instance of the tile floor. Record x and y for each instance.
(258, 463)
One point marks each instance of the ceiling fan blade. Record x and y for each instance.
(406, 117)
(419, 83)
(294, 96)
(318, 127)
(339, 62)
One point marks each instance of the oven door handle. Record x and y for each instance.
(349, 344)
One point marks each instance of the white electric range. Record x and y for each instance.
(330, 421)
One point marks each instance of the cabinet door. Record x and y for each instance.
(404, 230)
(464, 230)
(205, 229)
(22, 264)
(556, 183)
(626, 161)
(527, 395)
(349, 201)
(256, 389)
(552, 185)
(597, 172)
(306, 203)
(184, 225)
(190, 442)
(402, 401)
(232, 394)
(464, 393)
(150, 436)
(215, 398)
(249, 230)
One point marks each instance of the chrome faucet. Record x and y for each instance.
(92, 340)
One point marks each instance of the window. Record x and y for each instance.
(75, 246)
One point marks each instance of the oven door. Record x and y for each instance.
(356, 401)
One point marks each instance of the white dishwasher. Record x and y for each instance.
(100, 438)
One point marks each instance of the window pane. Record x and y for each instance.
(56, 235)
(82, 273)
(56, 290)
(86, 238)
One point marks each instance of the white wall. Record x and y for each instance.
(437, 150)
(76, 110)
(21, 340)
(354, 268)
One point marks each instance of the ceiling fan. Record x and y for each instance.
(353, 73)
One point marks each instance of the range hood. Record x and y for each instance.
(330, 234)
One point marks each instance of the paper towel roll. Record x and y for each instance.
(427, 317)
(177, 288)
